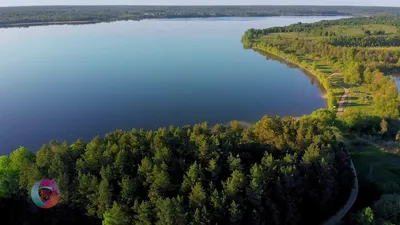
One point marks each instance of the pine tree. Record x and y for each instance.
(145, 170)
(234, 183)
(255, 189)
(170, 212)
(214, 169)
(128, 188)
(234, 162)
(193, 175)
(122, 163)
(216, 201)
(201, 217)
(144, 213)
(105, 196)
(160, 184)
(235, 213)
(197, 197)
(116, 215)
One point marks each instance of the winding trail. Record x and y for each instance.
(354, 192)
(335, 219)
(350, 202)
(343, 100)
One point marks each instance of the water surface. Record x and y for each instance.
(66, 82)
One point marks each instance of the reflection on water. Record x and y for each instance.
(397, 80)
(83, 81)
(313, 79)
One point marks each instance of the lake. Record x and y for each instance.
(67, 82)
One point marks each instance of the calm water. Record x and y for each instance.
(397, 79)
(67, 82)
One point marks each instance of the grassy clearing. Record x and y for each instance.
(358, 30)
(357, 101)
(380, 166)
(324, 68)
(383, 48)
(291, 35)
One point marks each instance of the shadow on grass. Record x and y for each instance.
(352, 98)
(323, 67)
(356, 104)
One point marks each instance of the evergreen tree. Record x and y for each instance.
(116, 215)
(197, 197)
(144, 213)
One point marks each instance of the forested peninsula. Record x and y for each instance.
(355, 60)
(279, 171)
(50, 15)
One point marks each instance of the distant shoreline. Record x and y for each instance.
(45, 23)
(79, 22)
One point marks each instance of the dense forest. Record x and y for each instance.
(44, 14)
(280, 171)
(359, 55)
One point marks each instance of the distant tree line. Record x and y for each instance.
(281, 171)
(319, 26)
(42, 14)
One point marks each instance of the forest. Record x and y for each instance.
(12, 16)
(360, 55)
(277, 171)
(280, 171)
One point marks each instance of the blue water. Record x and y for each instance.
(67, 82)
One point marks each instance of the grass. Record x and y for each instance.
(357, 30)
(381, 166)
(356, 103)
(291, 35)
(394, 48)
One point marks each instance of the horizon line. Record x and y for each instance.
(200, 5)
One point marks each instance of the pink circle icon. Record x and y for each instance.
(45, 193)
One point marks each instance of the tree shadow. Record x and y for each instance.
(352, 98)
(21, 210)
(356, 104)
(324, 67)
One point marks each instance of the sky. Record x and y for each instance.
(200, 2)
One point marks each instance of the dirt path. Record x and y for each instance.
(335, 74)
(334, 220)
(343, 100)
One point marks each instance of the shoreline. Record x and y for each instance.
(79, 22)
(73, 22)
(341, 212)
(324, 95)
(288, 61)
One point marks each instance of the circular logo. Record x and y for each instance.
(45, 193)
